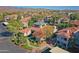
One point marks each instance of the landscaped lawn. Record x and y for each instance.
(26, 46)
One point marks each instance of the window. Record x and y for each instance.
(64, 45)
(36, 25)
(58, 42)
(65, 39)
(77, 45)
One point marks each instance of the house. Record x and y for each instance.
(37, 26)
(40, 20)
(37, 30)
(55, 29)
(6, 18)
(75, 22)
(56, 22)
(64, 19)
(14, 16)
(41, 32)
(40, 24)
(65, 37)
(39, 35)
(61, 20)
(46, 19)
(26, 31)
(76, 38)
(25, 21)
(9, 17)
(34, 28)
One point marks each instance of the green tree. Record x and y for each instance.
(14, 25)
(20, 39)
(31, 22)
(1, 17)
(64, 25)
(74, 16)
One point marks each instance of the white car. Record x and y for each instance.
(5, 23)
(55, 29)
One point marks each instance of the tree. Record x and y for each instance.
(48, 31)
(1, 17)
(32, 21)
(20, 38)
(64, 25)
(74, 16)
(14, 25)
(45, 32)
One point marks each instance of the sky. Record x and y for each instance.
(52, 7)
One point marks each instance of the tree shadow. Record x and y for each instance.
(5, 34)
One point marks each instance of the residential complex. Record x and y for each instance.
(42, 30)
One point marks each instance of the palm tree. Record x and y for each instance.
(14, 26)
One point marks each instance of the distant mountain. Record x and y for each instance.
(12, 8)
(15, 9)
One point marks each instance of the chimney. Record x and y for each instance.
(68, 32)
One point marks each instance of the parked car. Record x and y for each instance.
(5, 23)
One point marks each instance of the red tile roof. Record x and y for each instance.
(67, 32)
(39, 34)
(35, 28)
(76, 22)
(26, 30)
(26, 19)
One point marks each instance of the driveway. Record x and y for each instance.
(6, 46)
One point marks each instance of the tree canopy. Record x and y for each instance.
(14, 25)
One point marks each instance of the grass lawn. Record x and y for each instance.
(26, 46)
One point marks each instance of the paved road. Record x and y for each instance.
(6, 46)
